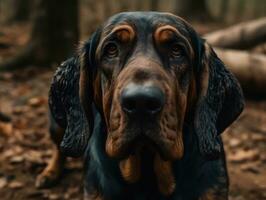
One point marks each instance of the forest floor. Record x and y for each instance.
(26, 147)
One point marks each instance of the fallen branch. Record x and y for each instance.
(249, 68)
(241, 36)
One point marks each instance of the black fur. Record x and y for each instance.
(195, 173)
(219, 108)
(66, 108)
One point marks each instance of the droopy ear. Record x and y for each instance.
(87, 73)
(71, 79)
(220, 102)
(66, 109)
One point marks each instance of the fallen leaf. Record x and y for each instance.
(53, 196)
(36, 101)
(234, 142)
(6, 129)
(6, 76)
(16, 159)
(17, 110)
(15, 185)
(3, 182)
(250, 167)
(34, 157)
(244, 155)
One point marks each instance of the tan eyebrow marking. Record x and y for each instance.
(124, 32)
(165, 32)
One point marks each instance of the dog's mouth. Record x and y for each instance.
(145, 137)
(143, 160)
(143, 116)
(149, 137)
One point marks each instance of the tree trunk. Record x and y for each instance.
(154, 5)
(21, 10)
(248, 68)
(223, 10)
(14, 11)
(193, 9)
(55, 29)
(242, 36)
(53, 37)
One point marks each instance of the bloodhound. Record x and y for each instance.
(144, 101)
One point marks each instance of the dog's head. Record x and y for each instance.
(150, 75)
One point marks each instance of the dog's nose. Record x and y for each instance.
(142, 99)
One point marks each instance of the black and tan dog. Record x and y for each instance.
(145, 101)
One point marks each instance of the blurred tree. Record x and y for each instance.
(193, 9)
(21, 10)
(223, 9)
(14, 10)
(54, 32)
(154, 4)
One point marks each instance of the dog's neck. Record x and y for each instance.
(149, 167)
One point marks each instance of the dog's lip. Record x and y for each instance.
(142, 141)
(157, 144)
(144, 134)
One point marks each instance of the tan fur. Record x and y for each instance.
(164, 33)
(144, 71)
(164, 175)
(130, 168)
(124, 32)
(204, 79)
(55, 166)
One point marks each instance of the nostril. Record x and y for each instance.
(128, 105)
(153, 105)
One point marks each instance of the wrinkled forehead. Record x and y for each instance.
(145, 22)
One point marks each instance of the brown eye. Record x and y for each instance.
(176, 51)
(111, 50)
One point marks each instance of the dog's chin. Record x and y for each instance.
(124, 150)
(122, 147)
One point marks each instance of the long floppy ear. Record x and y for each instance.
(66, 109)
(220, 101)
(65, 102)
(87, 73)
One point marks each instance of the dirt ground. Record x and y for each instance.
(26, 147)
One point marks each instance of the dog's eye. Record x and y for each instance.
(176, 51)
(111, 50)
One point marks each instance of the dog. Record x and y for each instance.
(144, 101)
